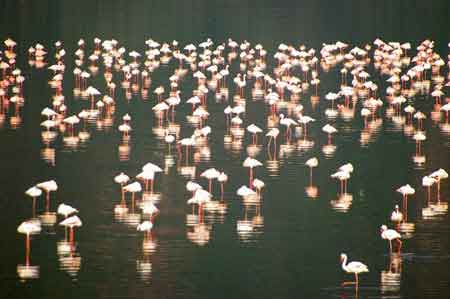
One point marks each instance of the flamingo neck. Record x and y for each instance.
(344, 263)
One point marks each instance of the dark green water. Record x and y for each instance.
(294, 248)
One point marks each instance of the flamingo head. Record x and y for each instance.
(383, 228)
(343, 257)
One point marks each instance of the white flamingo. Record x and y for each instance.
(391, 234)
(353, 267)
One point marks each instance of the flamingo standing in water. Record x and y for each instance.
(251, 163)
(169, 139)
(66, 210)
(419, 137)
(146, 227)
(200, 198)
(187, 142)
(305, 120)
(149, 208)
(311, 163)
(150, 167)
(28, 228)
(258, 184)
(396, 215)
(353, 267)
(391, 234)
(71, 222)
(254, 130)
(272, 134)
(342, 176)
(122, 179)
(428, 182)
(311, 190)
(192, 187)
(48, 187)
(210, 174)
(287, 122)
(222, 178)
(34, 192)
(125, 128)
(329, 129)
(446, 108)
(146, 176)
(92, 92)
(133, 188)
(439, 175)
(405, 191)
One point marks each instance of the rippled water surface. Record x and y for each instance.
(285, 245)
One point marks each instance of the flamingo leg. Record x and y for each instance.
(27, 250)
(34, 207)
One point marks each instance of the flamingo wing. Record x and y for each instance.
(357, 267)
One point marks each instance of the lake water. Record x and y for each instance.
(294, 245)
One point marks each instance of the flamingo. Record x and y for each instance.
(391, 234)
(353, 267)
(396, 215)
(66, 210)
(244, 191)
(428, 182)
(287, 122)
(329, 129)
(342, 176)
(28, 228)
(405, 191)
(146, 227)
(200, 197)
(133, 188)
(148, 168)
(311, 163)
(254, 130)
(125, 129)
(122, 179)
(192, 187)
(419, 137)
(439, 175)
(272, 134)
(148, 207)
(71, 222)
(169, 139)
(187, 142)
(48, 187)
(210, 174)
(446, 108)
(92, 92)
(258, 184)
(146, 176)
(222, 178)
(251, 163)
(34, 192)
(305, 120)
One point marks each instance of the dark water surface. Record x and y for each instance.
(293, 250)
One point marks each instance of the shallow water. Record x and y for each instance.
(294, 246)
